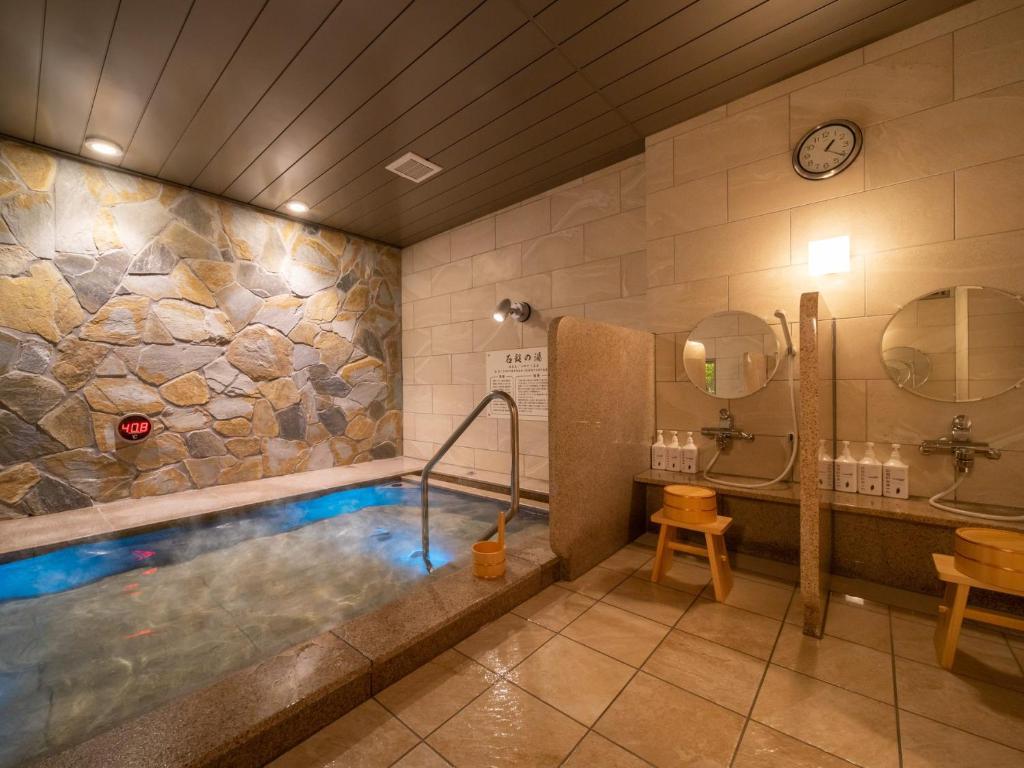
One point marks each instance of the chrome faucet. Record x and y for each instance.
(960, 445)
(725, 433)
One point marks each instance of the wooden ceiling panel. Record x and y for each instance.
(333, 48)
(21, 49)
(471, 39)
(212, 31)
(143, 38)
(75, 38)
(264, 101)
(411, 35)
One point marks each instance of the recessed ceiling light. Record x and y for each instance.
(103, 147)
(296, 206)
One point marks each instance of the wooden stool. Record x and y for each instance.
(953, 609)
(714, 549)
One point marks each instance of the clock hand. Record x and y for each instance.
(830, 145)
(833, 152)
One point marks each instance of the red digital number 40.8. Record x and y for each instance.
(134, 427)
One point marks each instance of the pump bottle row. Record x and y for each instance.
(868, 476)
(674, 457)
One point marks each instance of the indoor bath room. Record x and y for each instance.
(511, 383)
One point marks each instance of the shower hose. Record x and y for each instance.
(793, 436)
(936, 500)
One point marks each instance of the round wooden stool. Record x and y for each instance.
(984, 558)
(692, 508)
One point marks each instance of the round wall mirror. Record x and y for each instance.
(958, 344)
(731, 354)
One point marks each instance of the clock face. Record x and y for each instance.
(827, 149)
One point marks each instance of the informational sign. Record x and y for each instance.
(134, 427)
(523, 373)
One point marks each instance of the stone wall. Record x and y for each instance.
(257, 345)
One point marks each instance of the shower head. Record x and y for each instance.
(785, 331)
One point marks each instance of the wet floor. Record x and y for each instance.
(197, 603)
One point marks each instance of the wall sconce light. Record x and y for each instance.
(517, 310)
(827, 257)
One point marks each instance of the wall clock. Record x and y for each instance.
(827, 149)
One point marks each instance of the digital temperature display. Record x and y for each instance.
(134, 427)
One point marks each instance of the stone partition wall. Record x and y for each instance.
(258, 346)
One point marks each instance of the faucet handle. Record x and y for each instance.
(725, 418)
(962, 427)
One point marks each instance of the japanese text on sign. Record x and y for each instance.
(523, 373)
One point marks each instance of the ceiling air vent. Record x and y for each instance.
(413, 167)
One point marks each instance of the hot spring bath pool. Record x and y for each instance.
(95, 633)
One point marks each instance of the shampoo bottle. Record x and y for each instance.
(826, 468)
(846, 470)
(869, 473)
(896, 476)
(658, 452)
(673, 453)
(690, 455)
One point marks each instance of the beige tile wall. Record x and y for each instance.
(713, 217)
(577, 250)
(935, 199)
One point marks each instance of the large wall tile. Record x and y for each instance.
(522, 223)
(469, 369)
(434, 311)
(661, 262)
(633, 186)
(615, 235)
(593, 281)
(942, 24)
(634, 274)
(989, 54)
(681, 306)
(430, 253)
(750, 135)
(772, 185)
(436, 369)
(897, 277)
(448, 278)
(447, 339)
(740, 246)
(859, 347)
(908, 81)
(433, 428)
(453, 399)
(418, 398)
(689, 206)
(967, 132)
(415, 342)
(502, 264)
(474, 238)
(995, 482)
(629, 312)
(681, 406)
(535, 290)
(693, 123)
(416, 286)
(472, 304)
(555, 251)
(899, 216)
(816, 74)
(761, 293)
(585, 202)
(658, 168)
(489, 335)
(990, 198)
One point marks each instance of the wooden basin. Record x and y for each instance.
(991, 556)
(689, 504)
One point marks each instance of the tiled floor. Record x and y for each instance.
(613, 671)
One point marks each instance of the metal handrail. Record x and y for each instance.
(497, 394)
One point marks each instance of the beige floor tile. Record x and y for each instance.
(686, 574)
(597, 752)
(837, 721)
(771, 600)
(427, 697)
(670, 727)
(857, 601)
(507, 727)
(986, 656)
(724, 676)
(972, 705)
(572, 678)
(650, 600)
(503, 643)
(738, 629)
(763, 747)
(795, 612)
(367, 737)
(928, 744)
(840, 662)
(858, 625)
(595, 583)
(422, 757)
(649, 540)
(628, 559)
(620, 634)
(553, 608)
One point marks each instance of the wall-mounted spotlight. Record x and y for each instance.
(517, 310)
